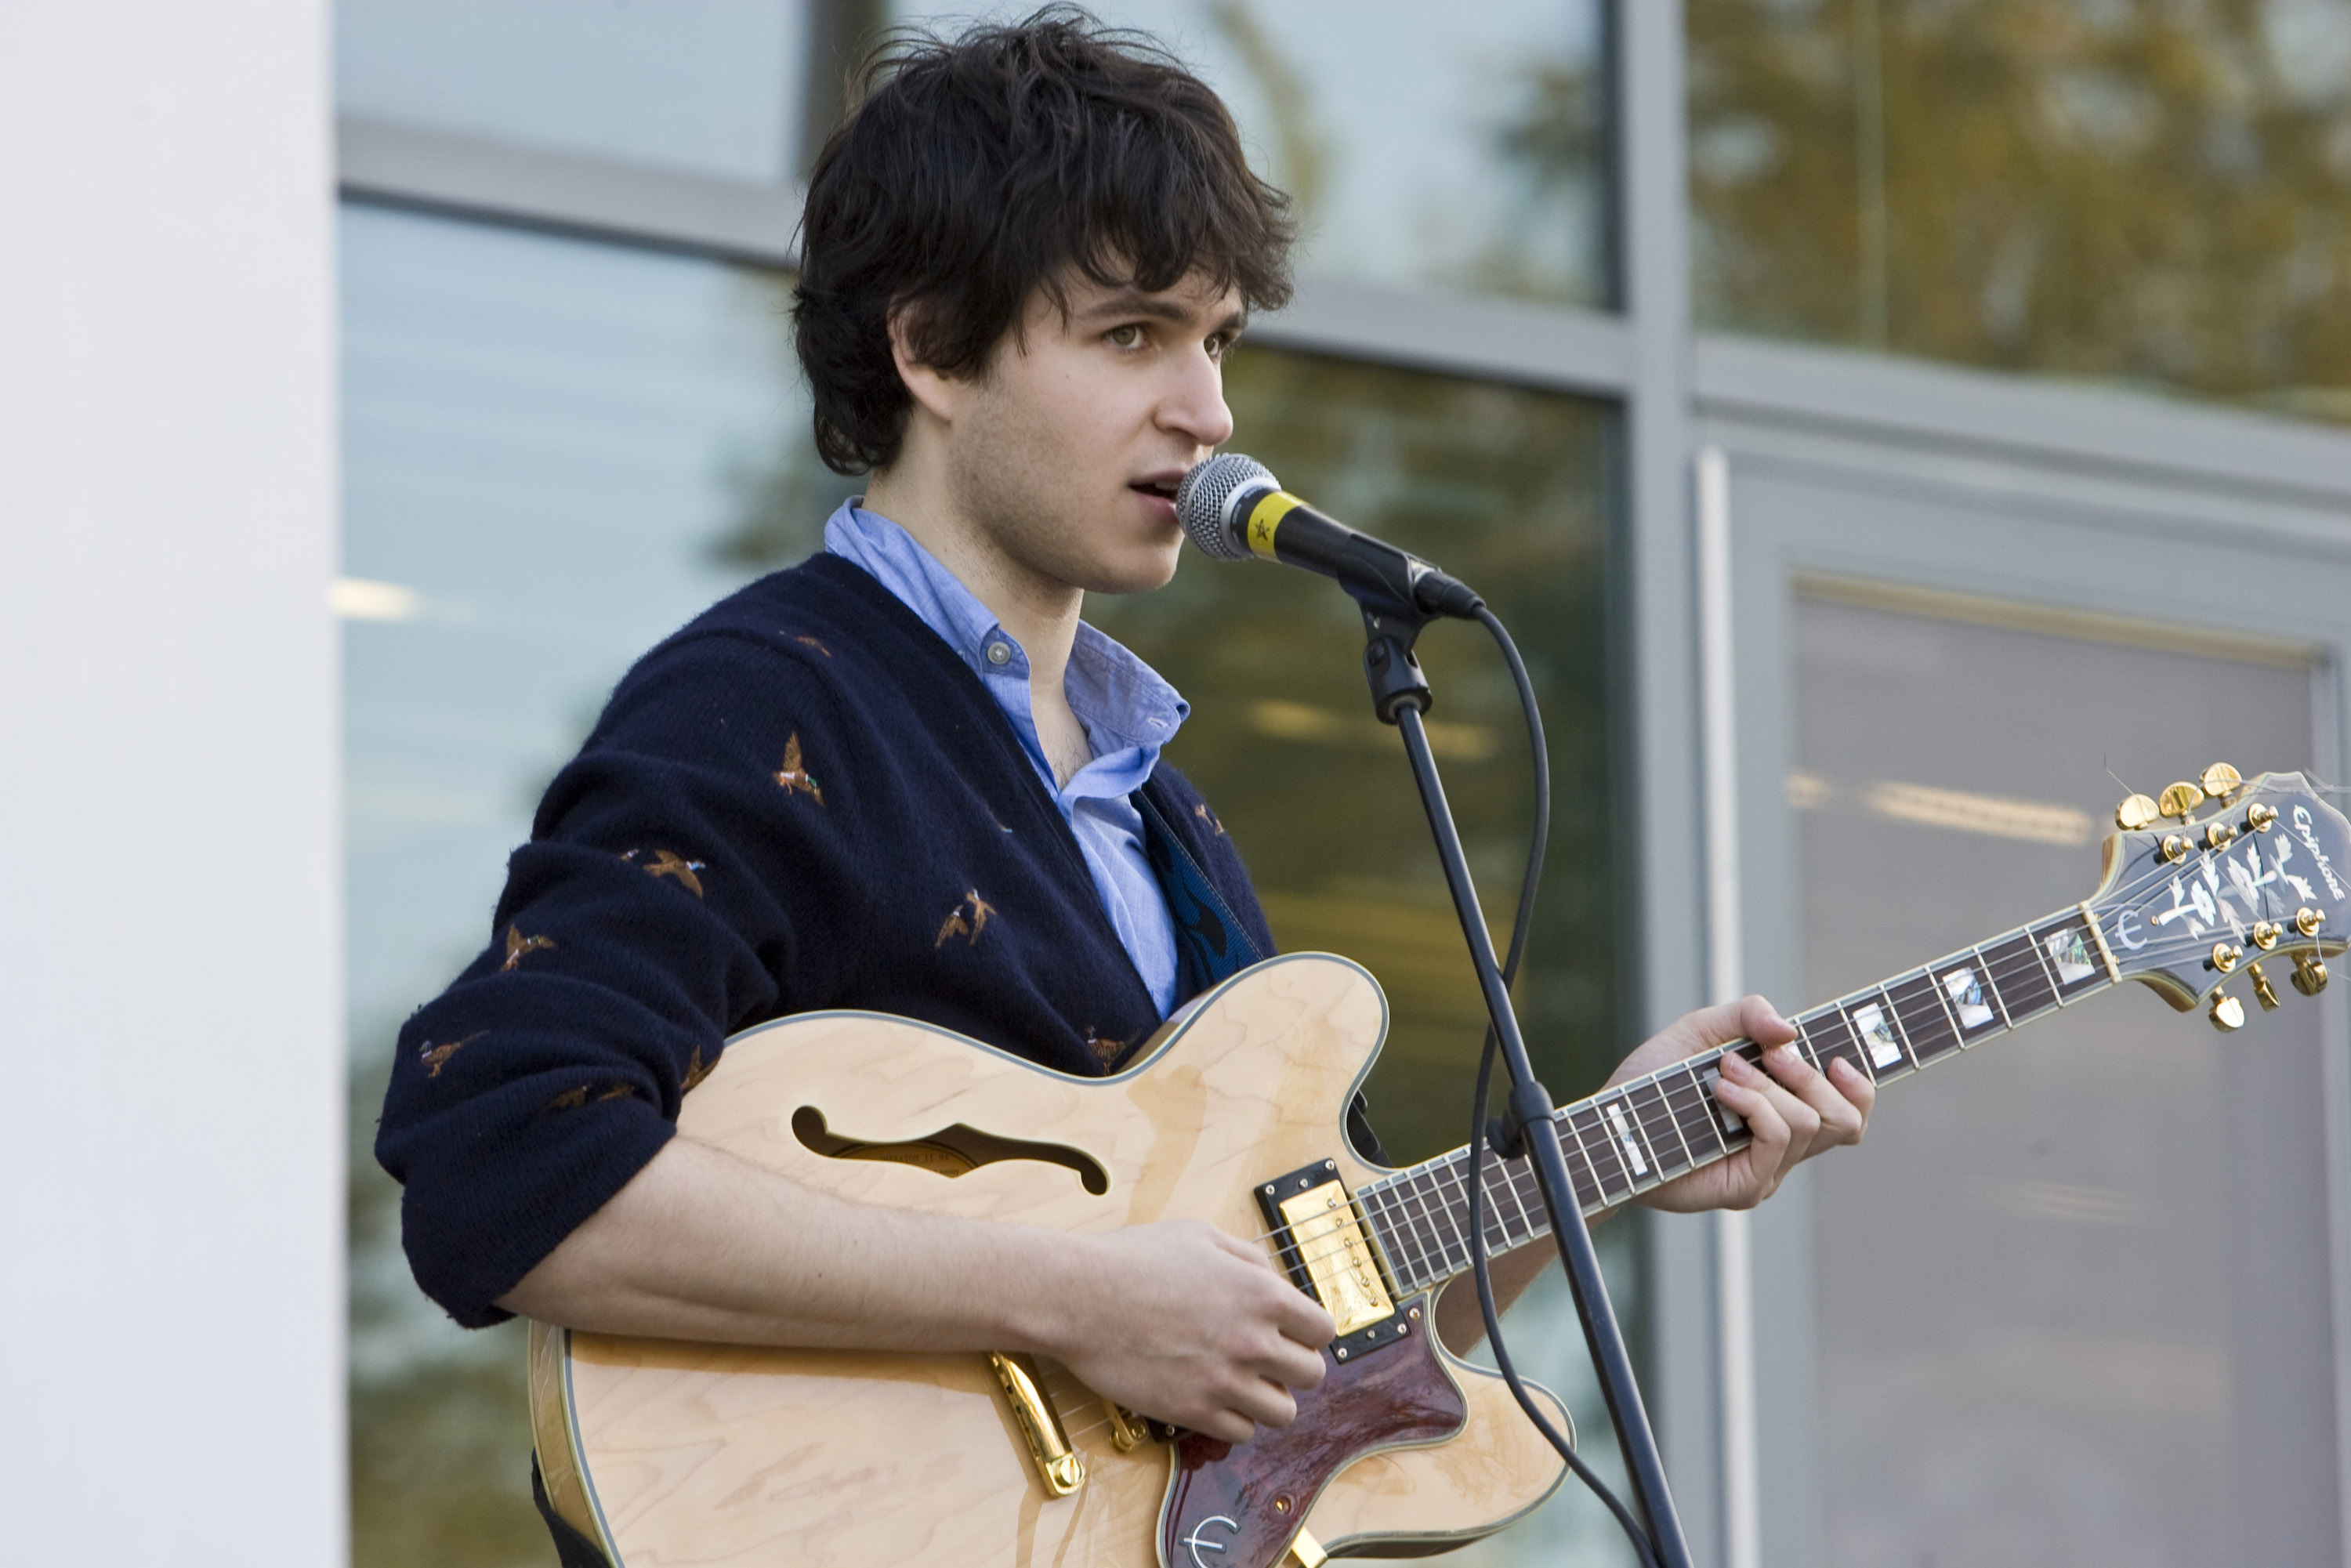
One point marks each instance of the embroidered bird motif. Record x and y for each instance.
(1202, 811)
(518, 945)
(435, 1056)
(812, 643)
(968, 925)
(618, 1092)
(697, 1069)
(794, 774)
(1105, 1051)
(670, 863)
(570, 1100)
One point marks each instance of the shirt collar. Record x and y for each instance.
(1122, 701)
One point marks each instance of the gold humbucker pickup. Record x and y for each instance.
(1330, 1252)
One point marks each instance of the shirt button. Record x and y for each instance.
(997, 654)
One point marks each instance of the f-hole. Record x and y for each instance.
(949, 1152)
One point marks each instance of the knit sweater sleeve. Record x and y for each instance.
(682, 873)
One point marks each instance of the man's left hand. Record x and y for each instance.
(1792, 1110)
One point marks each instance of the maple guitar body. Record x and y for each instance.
(668, 1453)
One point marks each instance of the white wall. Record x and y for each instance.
(171, 1188)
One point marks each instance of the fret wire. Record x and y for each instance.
(1999, 988)
(1432, 1229)
(1388, 1216)
(1525, 1183)
(1804, 1042)
(1500, 1170)
(1415, 1206)
(1688, 1162)
(1924, 977)
(2033, 934)
(1442, 1210)
(1457, 1171)
(1583, 1147)
(1625, 1125)
(1510, 1181)
(1901, 1030)
(1935, 989)
(1694, 1082)
(2032, 963)
(1983, 964)
(1494, 1204)
(1599, 1130)
(1590, 1166)
(1570, 1151)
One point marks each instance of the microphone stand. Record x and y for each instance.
(1401, 695)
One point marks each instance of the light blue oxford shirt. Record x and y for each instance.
(1128, 711)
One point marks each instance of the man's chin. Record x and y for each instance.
(1133, 577)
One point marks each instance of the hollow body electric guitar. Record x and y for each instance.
(666, 1453)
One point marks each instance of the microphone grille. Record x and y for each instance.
(1205, 501)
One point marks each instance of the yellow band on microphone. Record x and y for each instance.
(1265, 516)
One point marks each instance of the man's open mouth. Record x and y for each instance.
(1165, 490)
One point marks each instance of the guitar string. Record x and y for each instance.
(1443, 1170)
(1675, 1084)
(1446, 1171)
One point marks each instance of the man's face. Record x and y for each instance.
(1066, 454)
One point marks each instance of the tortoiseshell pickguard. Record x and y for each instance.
(1238, 1507)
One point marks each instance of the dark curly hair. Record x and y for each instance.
(978, 171)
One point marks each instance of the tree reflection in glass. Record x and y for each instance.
(2146, 194)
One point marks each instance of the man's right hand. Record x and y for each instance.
(1182, 1322)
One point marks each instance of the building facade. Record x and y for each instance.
(1894, 431)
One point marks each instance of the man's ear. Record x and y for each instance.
(940, 396)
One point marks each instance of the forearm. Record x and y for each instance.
(704, 1246)
(1178, 1321)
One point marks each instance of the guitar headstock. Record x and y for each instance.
(2226, 878)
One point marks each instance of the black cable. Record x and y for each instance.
(1642, 1547)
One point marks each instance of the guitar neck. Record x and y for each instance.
(1628, 1139)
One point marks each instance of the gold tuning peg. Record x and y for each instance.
(2136, 811)
(2262, 991)
(2179, 800)
(2309, 975)
(2221, 780)
(2228, 1013)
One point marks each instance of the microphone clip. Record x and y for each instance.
(1390, 665)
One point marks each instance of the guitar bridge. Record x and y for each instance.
(1061, 1469)
(1330, 1255)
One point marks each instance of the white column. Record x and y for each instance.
(1733, 1256)
(171, 1166)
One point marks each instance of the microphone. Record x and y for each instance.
(1234, 509)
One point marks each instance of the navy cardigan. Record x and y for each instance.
(802, 800)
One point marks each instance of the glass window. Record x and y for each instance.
(541, 441)
(1458, 147)
(708, 85)
(2153, 194)
(2073, 1297)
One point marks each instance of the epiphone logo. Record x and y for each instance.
(2325, 866)
(1198, 1543)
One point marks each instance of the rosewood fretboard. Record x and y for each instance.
(1628, 1139)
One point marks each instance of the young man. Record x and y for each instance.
(905, 776)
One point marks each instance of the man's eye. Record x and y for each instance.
(1127, 336)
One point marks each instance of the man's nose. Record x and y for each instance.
(1194, 406)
